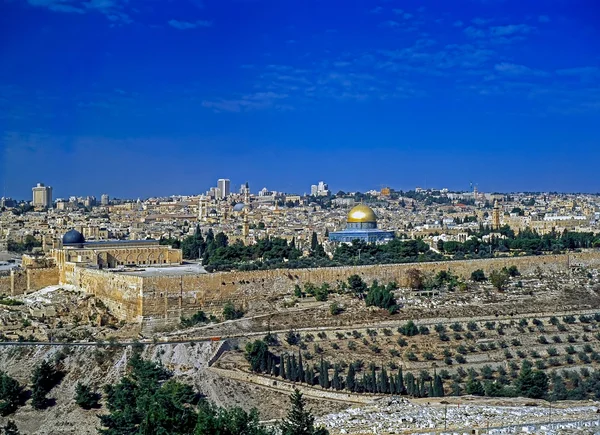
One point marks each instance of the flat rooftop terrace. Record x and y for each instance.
(184, 269)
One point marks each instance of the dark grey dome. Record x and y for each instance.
(73, 237)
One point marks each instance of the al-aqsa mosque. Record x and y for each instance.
(362, 225)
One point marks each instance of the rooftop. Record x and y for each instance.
(185, 269)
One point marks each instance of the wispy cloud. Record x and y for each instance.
(499, 34)
(512, 69)
(544, 19)
(113, 10)
(186, 25)
(258, 100)
(376, 10)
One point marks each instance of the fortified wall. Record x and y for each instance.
(164, 299)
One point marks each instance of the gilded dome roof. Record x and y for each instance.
(361, 213)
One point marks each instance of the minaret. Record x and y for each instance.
(496, 216)
(246, 230)
(247, 194)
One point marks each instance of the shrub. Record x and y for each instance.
(460, 359)
(569, 319)
(402, 342)
(570, 350)
(521, 354)
(411, 356)
(507, 354)
(292, 337)
(409, 329)
(571, 339)
(478, 275)
(562, 328)
(387, 332)
(85, 397)
(552, 351)
(423, 330)
(439, 328)
(335, 309)
(490, 325)
(515, 342)
(469, 335)
(448, 361)
(444, 337)
(542, 339)
(352, 345)
(395, 353)
(10, 394)
(428, 356)
(230, 312)
(456, 327)
(472, 326)
(556, 339)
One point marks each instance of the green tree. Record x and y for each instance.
(478, 275)
(86, 397)
(531, 383)
(43, 379)
(299, 420)
(351, 378)
(357, 285)
(257, 354)
(230, 312)
(10, 394)
(474, 387)
(499, 279)
(218, 421)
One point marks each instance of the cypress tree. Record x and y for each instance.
(351, 379)
(282, 367)
(410, 384)
(336, 383)
(326, 383)
(289, 368)
(400, 382)
(309, 376)
(392, 385)
(301, 377)
(295, 374)
(438, 386)
(385, 383)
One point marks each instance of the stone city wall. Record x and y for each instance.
(122, 294)
(170, 297)
(21, 281)
(5, 288)
(40, 278)
(164, 299)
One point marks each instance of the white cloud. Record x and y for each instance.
(457, 23)
(511, 29)
(376, 10)
(513, 69)
(186, 25)
(544, 19)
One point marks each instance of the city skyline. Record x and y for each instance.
(140, 100)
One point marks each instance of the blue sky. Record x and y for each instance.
(140, 98)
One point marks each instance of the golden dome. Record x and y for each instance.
(361, 214)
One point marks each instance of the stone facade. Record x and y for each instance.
(164, 299)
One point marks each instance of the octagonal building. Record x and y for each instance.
(361, 224)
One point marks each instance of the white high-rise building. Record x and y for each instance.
(314, 189)
(104, 199)
(223, 186)
(42, 196)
